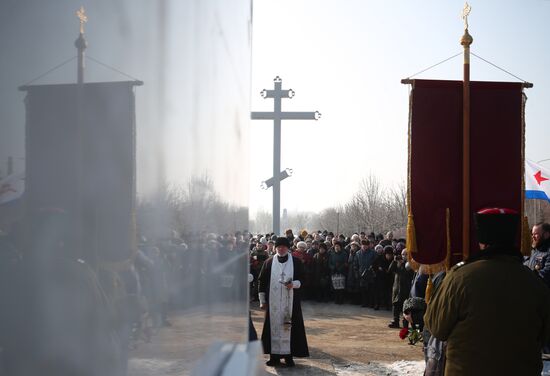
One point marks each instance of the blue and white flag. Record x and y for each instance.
(537, 181)
(12, 187)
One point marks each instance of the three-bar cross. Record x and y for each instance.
(277, 115)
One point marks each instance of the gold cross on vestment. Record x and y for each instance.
(465, 13)
(81, 14)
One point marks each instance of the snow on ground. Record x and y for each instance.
(326, 367)
(157, 367)
(402, 367)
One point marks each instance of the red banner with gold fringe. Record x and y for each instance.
(435, 161)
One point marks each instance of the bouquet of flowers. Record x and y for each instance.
(414, 335)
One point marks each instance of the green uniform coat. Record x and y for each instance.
(494, 314)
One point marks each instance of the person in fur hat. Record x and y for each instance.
(493, 312)
(280, 279)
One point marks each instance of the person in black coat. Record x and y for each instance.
(382, 282)
(403, 276)
(283, 334)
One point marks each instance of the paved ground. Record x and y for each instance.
(174, 350)
(350, 340)
(344, 340)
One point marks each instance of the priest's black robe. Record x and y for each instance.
(298, 340)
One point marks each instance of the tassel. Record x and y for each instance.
(411, 235)
(429, 288)
(525, 237)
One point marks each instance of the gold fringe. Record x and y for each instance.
(412, 246)
(525, 237)
(428, 268)
(412, 262)
(448, 228)
(429, 289)
(411, 234)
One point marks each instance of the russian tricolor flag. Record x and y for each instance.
(537, 181)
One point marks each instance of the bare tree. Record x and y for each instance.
(370, 209)
(299, 220)
(398, 207)
(366, 205)
(192, 208)
(262, 223)
(198, 207)
(329, 219)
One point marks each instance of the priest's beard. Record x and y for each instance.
(282, 253)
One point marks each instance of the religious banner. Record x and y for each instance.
(435, 162)
(80, 158)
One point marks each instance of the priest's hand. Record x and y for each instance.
(289, 285)
(263, 306)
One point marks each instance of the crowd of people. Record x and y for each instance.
(363, 269)
(64, 314)
(166, 274)
(468, 303)
(131, 303)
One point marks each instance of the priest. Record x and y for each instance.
(283, 335)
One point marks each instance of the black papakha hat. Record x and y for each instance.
(497, 226)
(281, 240)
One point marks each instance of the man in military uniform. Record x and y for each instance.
(493, 312)
(539, 260)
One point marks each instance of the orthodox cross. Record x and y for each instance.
(277, 115)
(465, 13)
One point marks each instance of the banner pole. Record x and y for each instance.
(466, 41)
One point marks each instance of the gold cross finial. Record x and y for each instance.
(465, 13)
(82, 17)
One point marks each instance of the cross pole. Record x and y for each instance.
(277, 115)
(81, 44)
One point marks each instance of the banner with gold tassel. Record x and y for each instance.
(435, 162)
(466, 153)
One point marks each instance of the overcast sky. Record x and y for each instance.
(346, 59)
(342, 58)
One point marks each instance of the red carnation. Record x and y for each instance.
(403, 333)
